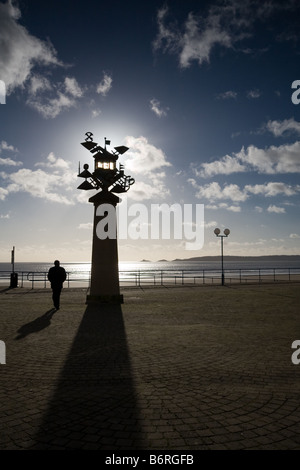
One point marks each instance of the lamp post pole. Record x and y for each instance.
(226, 232)
(222, 262)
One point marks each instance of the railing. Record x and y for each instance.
(142, 278)
(208, 276)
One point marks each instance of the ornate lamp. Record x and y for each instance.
(105, 175)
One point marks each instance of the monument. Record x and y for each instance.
(107, 179)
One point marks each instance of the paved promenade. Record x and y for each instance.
(182, 368)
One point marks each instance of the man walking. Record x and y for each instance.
(57, 276)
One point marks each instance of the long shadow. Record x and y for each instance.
(36, 325)
(94, 405)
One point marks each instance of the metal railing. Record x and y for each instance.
(209, 276)
(163, 277)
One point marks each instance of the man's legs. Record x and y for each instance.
(56, 297)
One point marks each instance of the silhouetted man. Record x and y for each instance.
(57, 276)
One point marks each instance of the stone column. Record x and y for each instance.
(104, 286)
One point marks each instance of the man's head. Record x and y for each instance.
(56, 263)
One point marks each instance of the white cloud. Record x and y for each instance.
(233, 192)
(235, 134)
(20, 52)
(52, 107)
(289, 203)
(276, 209)
(56, 184)
(195, 42)
(62, 96)
(26, 62)
(224, 25)
(253, 94)
(54, 162)
(282, 159)
(157, 109)
(166, 34)
(213, 192)
(87, 226)
(225, 166)
(22, 58)
(9, 162)
(273, 189)
(148, 162)
(8, 148)
(96, 112)
(52, 99)
(3, 194)
(39, 184)
(38, 84)
(227, 95)
(105, 85)
(294, 235)
(5, 146)
(233, 208)
(271, 160)
(143, 157)
(280, 127)
(72, 87)
(210, 224)
(223, 205)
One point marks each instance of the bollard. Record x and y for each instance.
(13, 280)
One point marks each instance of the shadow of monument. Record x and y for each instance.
(94, 404)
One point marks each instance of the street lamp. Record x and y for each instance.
(226, 232)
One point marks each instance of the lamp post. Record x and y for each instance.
(13, 276)
(107, 179)
(226, 232)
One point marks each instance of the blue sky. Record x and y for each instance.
(204, 94)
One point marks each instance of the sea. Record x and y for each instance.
(153, 272)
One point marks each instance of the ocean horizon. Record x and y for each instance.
(194, 264)
(201, 262)
(134, 272)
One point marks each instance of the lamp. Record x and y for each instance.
(226, 232)
(105, 175)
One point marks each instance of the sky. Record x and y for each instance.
(206, 96)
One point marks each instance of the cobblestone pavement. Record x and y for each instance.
(187, 368)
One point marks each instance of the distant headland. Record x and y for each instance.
(243, 258)
(232, 258)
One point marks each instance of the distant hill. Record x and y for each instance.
(242, 258)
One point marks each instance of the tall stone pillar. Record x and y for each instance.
(104, 285)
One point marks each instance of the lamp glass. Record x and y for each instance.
(106, 165)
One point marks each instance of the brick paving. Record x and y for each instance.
(182, 368)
